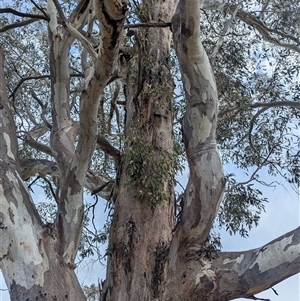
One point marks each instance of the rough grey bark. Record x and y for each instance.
(140, 234)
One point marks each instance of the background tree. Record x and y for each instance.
(114, 98)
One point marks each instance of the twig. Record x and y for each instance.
(20, 14)
(254, 298)
(40, 9)
(274, 291)
(18, 24)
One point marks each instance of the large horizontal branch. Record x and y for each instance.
(37, 145)
(42, 167)
(107, 147)
(28, 78)
(264, 107)
(147, 25)
(231, 275)
(251, 272)
(18, 24)
(273, 104)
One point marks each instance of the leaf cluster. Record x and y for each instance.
(151, 170)
(241, 208)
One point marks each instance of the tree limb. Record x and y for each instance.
(42, 167)
(273, 104)
(18, 24)
(199, 127)
(69, 219)
(24, 79)
(147, 25)
(264, 30)
(40, 9)
(264, 106)
(256, 270)
(37, 145)
(108, 148)
(223, 34)
(20, 14)
(232, 275)
(17, 209)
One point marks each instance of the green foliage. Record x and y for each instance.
(91, 236)
(91, 292)
(241, 208)
(150, 170)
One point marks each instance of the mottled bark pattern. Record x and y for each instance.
(206, 182)
(38, 263)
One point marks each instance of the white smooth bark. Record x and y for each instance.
(206, 182)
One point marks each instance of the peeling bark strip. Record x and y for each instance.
(206, 183)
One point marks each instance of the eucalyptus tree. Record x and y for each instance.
(114, 98)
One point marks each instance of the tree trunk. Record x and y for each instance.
(31, 263)
(142, 225)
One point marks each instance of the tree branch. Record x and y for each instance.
(256, 270)
(147, 25)
(40, 9)
(223, 34)
(264, 30)
(264, 107)
(8, 137)
(232, 275)
(38, 146)
(201, 199)
(108, 148)
(273, 104)
(24, 79)
(20, 14)
(18, 24)
(17, 208)
(42, 167)
(70, 213)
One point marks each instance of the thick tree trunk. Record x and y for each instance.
(142, 225)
